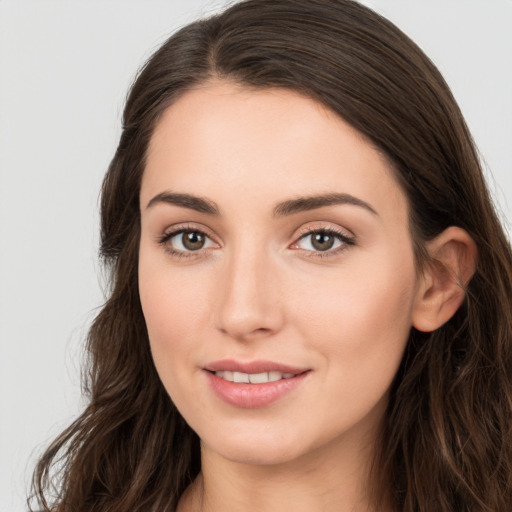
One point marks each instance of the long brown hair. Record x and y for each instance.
(446, 441)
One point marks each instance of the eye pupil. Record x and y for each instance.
(192, 240)
(322, 241)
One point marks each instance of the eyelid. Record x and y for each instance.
(315, 227)
(187, 226)
(346, 238)
(175, 230)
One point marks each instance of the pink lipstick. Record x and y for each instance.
(253, 384)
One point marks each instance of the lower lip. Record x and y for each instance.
(252, 396)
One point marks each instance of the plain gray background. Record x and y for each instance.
(65, 67)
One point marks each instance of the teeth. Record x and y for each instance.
(258, 378)
(273, 376)
(240, 377)
(253, 378)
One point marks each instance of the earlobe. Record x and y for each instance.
(453, 258)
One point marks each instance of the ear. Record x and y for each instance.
(453, 257)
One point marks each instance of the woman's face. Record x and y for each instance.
(275, 249)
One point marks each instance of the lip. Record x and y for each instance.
(253, 396)
(258, 366)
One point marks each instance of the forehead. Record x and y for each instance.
(262, 144)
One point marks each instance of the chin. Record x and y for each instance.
(256, 448)
(255, 455)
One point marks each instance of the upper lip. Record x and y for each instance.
(258, 366)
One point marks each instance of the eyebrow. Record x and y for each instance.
(199, 204)
(302, 204)
(290, 207)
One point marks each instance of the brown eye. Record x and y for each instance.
(193, 240)
(187, 240)
(322, 241)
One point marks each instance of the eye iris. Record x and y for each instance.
(322, 241)
(192, 240)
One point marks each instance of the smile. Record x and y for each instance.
(253, 378)
(250, 385)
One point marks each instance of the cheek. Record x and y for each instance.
(359, 322)
(175, 309)
(171, 310)
(360, 317)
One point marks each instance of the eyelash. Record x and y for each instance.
(177, 253)
(345, 240)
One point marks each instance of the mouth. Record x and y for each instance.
(253, 385)
(254, 372)
(253, 378)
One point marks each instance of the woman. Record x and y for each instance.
(311, 292)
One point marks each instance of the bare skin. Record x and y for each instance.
(234, 267)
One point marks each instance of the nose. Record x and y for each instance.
(249, 304)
